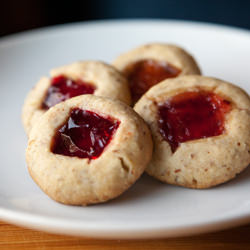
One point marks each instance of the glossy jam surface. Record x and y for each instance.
(63, 88)
(85, 134)
(192, 115)
(144, 74)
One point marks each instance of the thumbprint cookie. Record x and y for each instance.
(88, 150)
(85, 77)
(200, 128)
(150, 64)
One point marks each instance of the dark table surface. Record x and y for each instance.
(16, 16)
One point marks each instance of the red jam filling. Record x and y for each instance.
(63, 88)
(85, 134)
(144, 74)
(192, 115)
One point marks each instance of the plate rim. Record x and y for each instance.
(67, 227)
(38, 32)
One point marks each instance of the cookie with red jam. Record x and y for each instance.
(150, 64)
(200, 128)
(86, 77)
(88, 150)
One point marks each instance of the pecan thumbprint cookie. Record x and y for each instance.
(88, 149)
(85, 77)
(150, 64)
(200, 128)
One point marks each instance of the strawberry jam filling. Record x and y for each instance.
(63, 88)
(85, 134)
(144, 74)
(192, 115)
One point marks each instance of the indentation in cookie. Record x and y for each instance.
(63, 88)
(125, 167)
(192, 115)
(144, 74)
(85, 134)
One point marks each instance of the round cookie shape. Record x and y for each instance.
(205, 161)
(97, 177)
(150, 64)
(93, 77)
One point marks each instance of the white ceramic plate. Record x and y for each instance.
(149, 209)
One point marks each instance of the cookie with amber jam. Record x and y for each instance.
(86, 77)
(150, 64)
(200, 128)
(88, 149)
